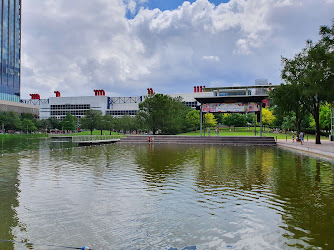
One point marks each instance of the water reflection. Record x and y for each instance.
(9, 192)
(168, 196)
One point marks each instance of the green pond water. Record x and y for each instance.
(163, 197)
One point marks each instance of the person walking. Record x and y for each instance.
(301, 137)
(209, 131)
(293, 138)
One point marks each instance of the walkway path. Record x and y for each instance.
(325, 149)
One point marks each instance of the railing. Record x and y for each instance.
(80, 138)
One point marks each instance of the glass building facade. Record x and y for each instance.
(10, 34)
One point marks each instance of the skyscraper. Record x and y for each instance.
(10, 35)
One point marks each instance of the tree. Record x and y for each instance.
(163, 113)
(109, 122)
(28, 125)
(210, 120)
(313, 70)
(69, 122)
(288, 100)
(193, 119)
(267, 117)
(219, 118)
(234, 119)
(324, 117)
(10, 120)
(91, 120)
(228, 120)
(54, 123)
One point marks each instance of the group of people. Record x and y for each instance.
(216, 131)
(300, 138)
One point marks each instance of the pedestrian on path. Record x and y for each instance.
(293, 138)
(209, 131)
(301, 136)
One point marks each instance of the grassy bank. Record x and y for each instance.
(244, 132)
(22, 136)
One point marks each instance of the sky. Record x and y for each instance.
(127, 46)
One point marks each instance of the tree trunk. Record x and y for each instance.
(110, 132)
(298, 122)
(101, 131)
(317, 124)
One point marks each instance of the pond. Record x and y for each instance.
(164, 197)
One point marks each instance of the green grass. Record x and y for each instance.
(11, 136)
(244, 132)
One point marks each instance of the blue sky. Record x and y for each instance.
(166, 5)
(80, 45)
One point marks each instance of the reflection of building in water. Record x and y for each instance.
(8, 199)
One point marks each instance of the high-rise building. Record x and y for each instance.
(10, 40)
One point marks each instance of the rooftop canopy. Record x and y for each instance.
(231, 99)
(241, 87)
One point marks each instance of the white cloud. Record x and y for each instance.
(77, 46)
(211, 58)
(132, 6)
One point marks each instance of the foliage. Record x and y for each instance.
(163, 113)
(54, 123)
(69, 122)
(108, 122)
(267, 117)
(324, 117)
(193, 119)
(219, 118)
(234, 119)
(91, 120)
(28, 125)
(250, 118)
(10, 121)
(127, 123)
(312, 71)
(289, 102)
(210, 120)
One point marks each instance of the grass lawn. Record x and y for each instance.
(242, 131)
(11, 136)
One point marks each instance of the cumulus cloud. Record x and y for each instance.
(211, 58)
(77, 46)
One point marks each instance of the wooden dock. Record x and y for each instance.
(95, 142)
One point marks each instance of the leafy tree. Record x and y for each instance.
(28, 125)
(324, 117)
(210, 120)
(250, 118)
(228, 120)
(193, 119)
(163, 113)
(69, 122)
(289, 101)
(234, 119)
(109, 122)
(10, 120)
(44, 124)
(267, 117)
(313, 70)
(91, 120)
(54, 123)
(219, 118)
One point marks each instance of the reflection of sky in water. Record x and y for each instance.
(158, 196)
